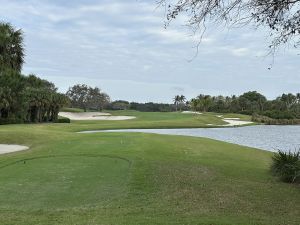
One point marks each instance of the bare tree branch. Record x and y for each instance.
(282, 18)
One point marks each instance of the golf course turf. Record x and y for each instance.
(135, 178)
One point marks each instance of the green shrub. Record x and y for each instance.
(246, 112)
(286, 165)
(270, 121)
(276, 114)
(4, 121)
(65, 109)
(63, 120)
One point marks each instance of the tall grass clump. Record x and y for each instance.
(286, 165)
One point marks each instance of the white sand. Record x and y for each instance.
(11, 148)
(191, 112)
(235, 122)
(93, 116)
(231, 122)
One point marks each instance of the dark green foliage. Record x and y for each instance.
(119, 105)
(153, 107)
(23, 98)
(270, 121)
(179, 102)
(85, 97)
(203, 103)
(63, 120)
(66, 109)
(28, 99)
(283, 110)
(276, 114)
(145, 107)
(287, 166)
(4, 121)
(11, 47)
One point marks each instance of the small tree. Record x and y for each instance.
(97, 99)
(79, 96)
(86, 97)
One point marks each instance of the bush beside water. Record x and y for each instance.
(286, 166)
(271, 121)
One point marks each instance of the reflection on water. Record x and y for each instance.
(270, 138)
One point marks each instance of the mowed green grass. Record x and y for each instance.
(156, 120)
(135, 178)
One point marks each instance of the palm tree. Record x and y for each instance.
(289, 100)
(11, 47)
(194, 104)
(207, 101)
(58, 101)
(176, 101)
(6, 99)
(298, 97)
(181, 101)
(204, 102)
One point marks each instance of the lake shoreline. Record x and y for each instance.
(265, 137)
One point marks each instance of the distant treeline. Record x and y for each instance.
(143, 107)
(285, 109)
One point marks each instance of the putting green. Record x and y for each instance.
(61, 182)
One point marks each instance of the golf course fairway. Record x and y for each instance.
(138, 179)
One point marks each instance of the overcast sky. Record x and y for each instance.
(122, 47)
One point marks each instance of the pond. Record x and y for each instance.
(270, 138)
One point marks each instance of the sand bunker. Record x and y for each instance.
(231, 122)
(11, 148)
(93, 116)
(235, 122)
(191, 112)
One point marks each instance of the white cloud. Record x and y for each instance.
(240, 51)
(168, 35)
(147, 67)
(125, 40)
